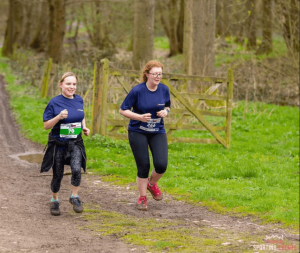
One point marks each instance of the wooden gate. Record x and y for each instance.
(196, 111)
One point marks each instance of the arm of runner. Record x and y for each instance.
(85, 130)
(163, 113)
(52, 122)
(135, 116)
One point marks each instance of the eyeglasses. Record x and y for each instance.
(157, 75)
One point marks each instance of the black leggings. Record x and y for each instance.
(139, 143)
(58, 168)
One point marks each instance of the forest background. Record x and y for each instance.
(258, 39)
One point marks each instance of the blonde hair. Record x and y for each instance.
(149, 66)
(67, 74)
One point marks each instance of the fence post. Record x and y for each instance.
(104, 76)
(97, 90)
(46, 79)
(229, 107)
(52, 76)
(41, 86)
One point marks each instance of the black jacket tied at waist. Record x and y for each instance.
(52, 147)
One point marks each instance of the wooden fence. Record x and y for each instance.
(45, 74)
(189, 111)
(207, 111)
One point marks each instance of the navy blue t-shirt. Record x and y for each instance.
(59, 103)
(142, 100)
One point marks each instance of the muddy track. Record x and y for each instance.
(27, 226)
(25, 222)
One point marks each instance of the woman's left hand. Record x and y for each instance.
(162, 113)
(86, 131)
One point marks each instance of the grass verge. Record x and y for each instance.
(161, 235)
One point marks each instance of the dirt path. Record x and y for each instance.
(27, 226)
(25, 222)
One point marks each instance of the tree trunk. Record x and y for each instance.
(199, 37)
(143, 32)
(39, 40)
(8, 49)
(219, 21)
(222, 20)
(290, 24)
(20, 24)
(250, 25)
(57, 27)
(169, 9)
(12, 32)
(172, 25)
(98, 27)
(226, 19)
(86, 23)
(295, 24)
(180, 27)
(237, 25)
(26, 34)
(71, 19)
(74, 38)
(266, 46)
(162, 7)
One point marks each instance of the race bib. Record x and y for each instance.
(151, 125)
(71, 130)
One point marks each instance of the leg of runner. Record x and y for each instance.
(139, 146)
(58, 173)
(76, 158)
(154, 177)
(159, 148)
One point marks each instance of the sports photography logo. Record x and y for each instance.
(275, 242)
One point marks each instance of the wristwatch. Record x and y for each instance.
(167, 110)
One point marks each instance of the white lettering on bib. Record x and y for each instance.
(150, 126)
(71, 130)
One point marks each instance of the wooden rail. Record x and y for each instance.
(103, 110)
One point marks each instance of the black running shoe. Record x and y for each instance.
(77, 204)
(54, 208)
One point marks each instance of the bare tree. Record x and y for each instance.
(180, 26)
(57, 26)
(267, 23)
(143, 32)
(251, 24)
(238, 15)
(169, 12)
(96, 17)
(98, 27)
(219, 21)
(27, 27)
(199, 37)
(39, 40)
(288, 11)
(222, 19)
(12, 32)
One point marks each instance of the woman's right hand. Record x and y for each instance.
(63, 114)
(145, 117)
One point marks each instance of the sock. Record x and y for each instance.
(72, 196)
(53, 200)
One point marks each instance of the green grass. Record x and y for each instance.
(161, 43)
(258, 175)
(234, 53)
(161, 235)
(27, 105)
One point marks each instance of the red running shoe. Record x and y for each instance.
(142, 203)
(154, 190)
